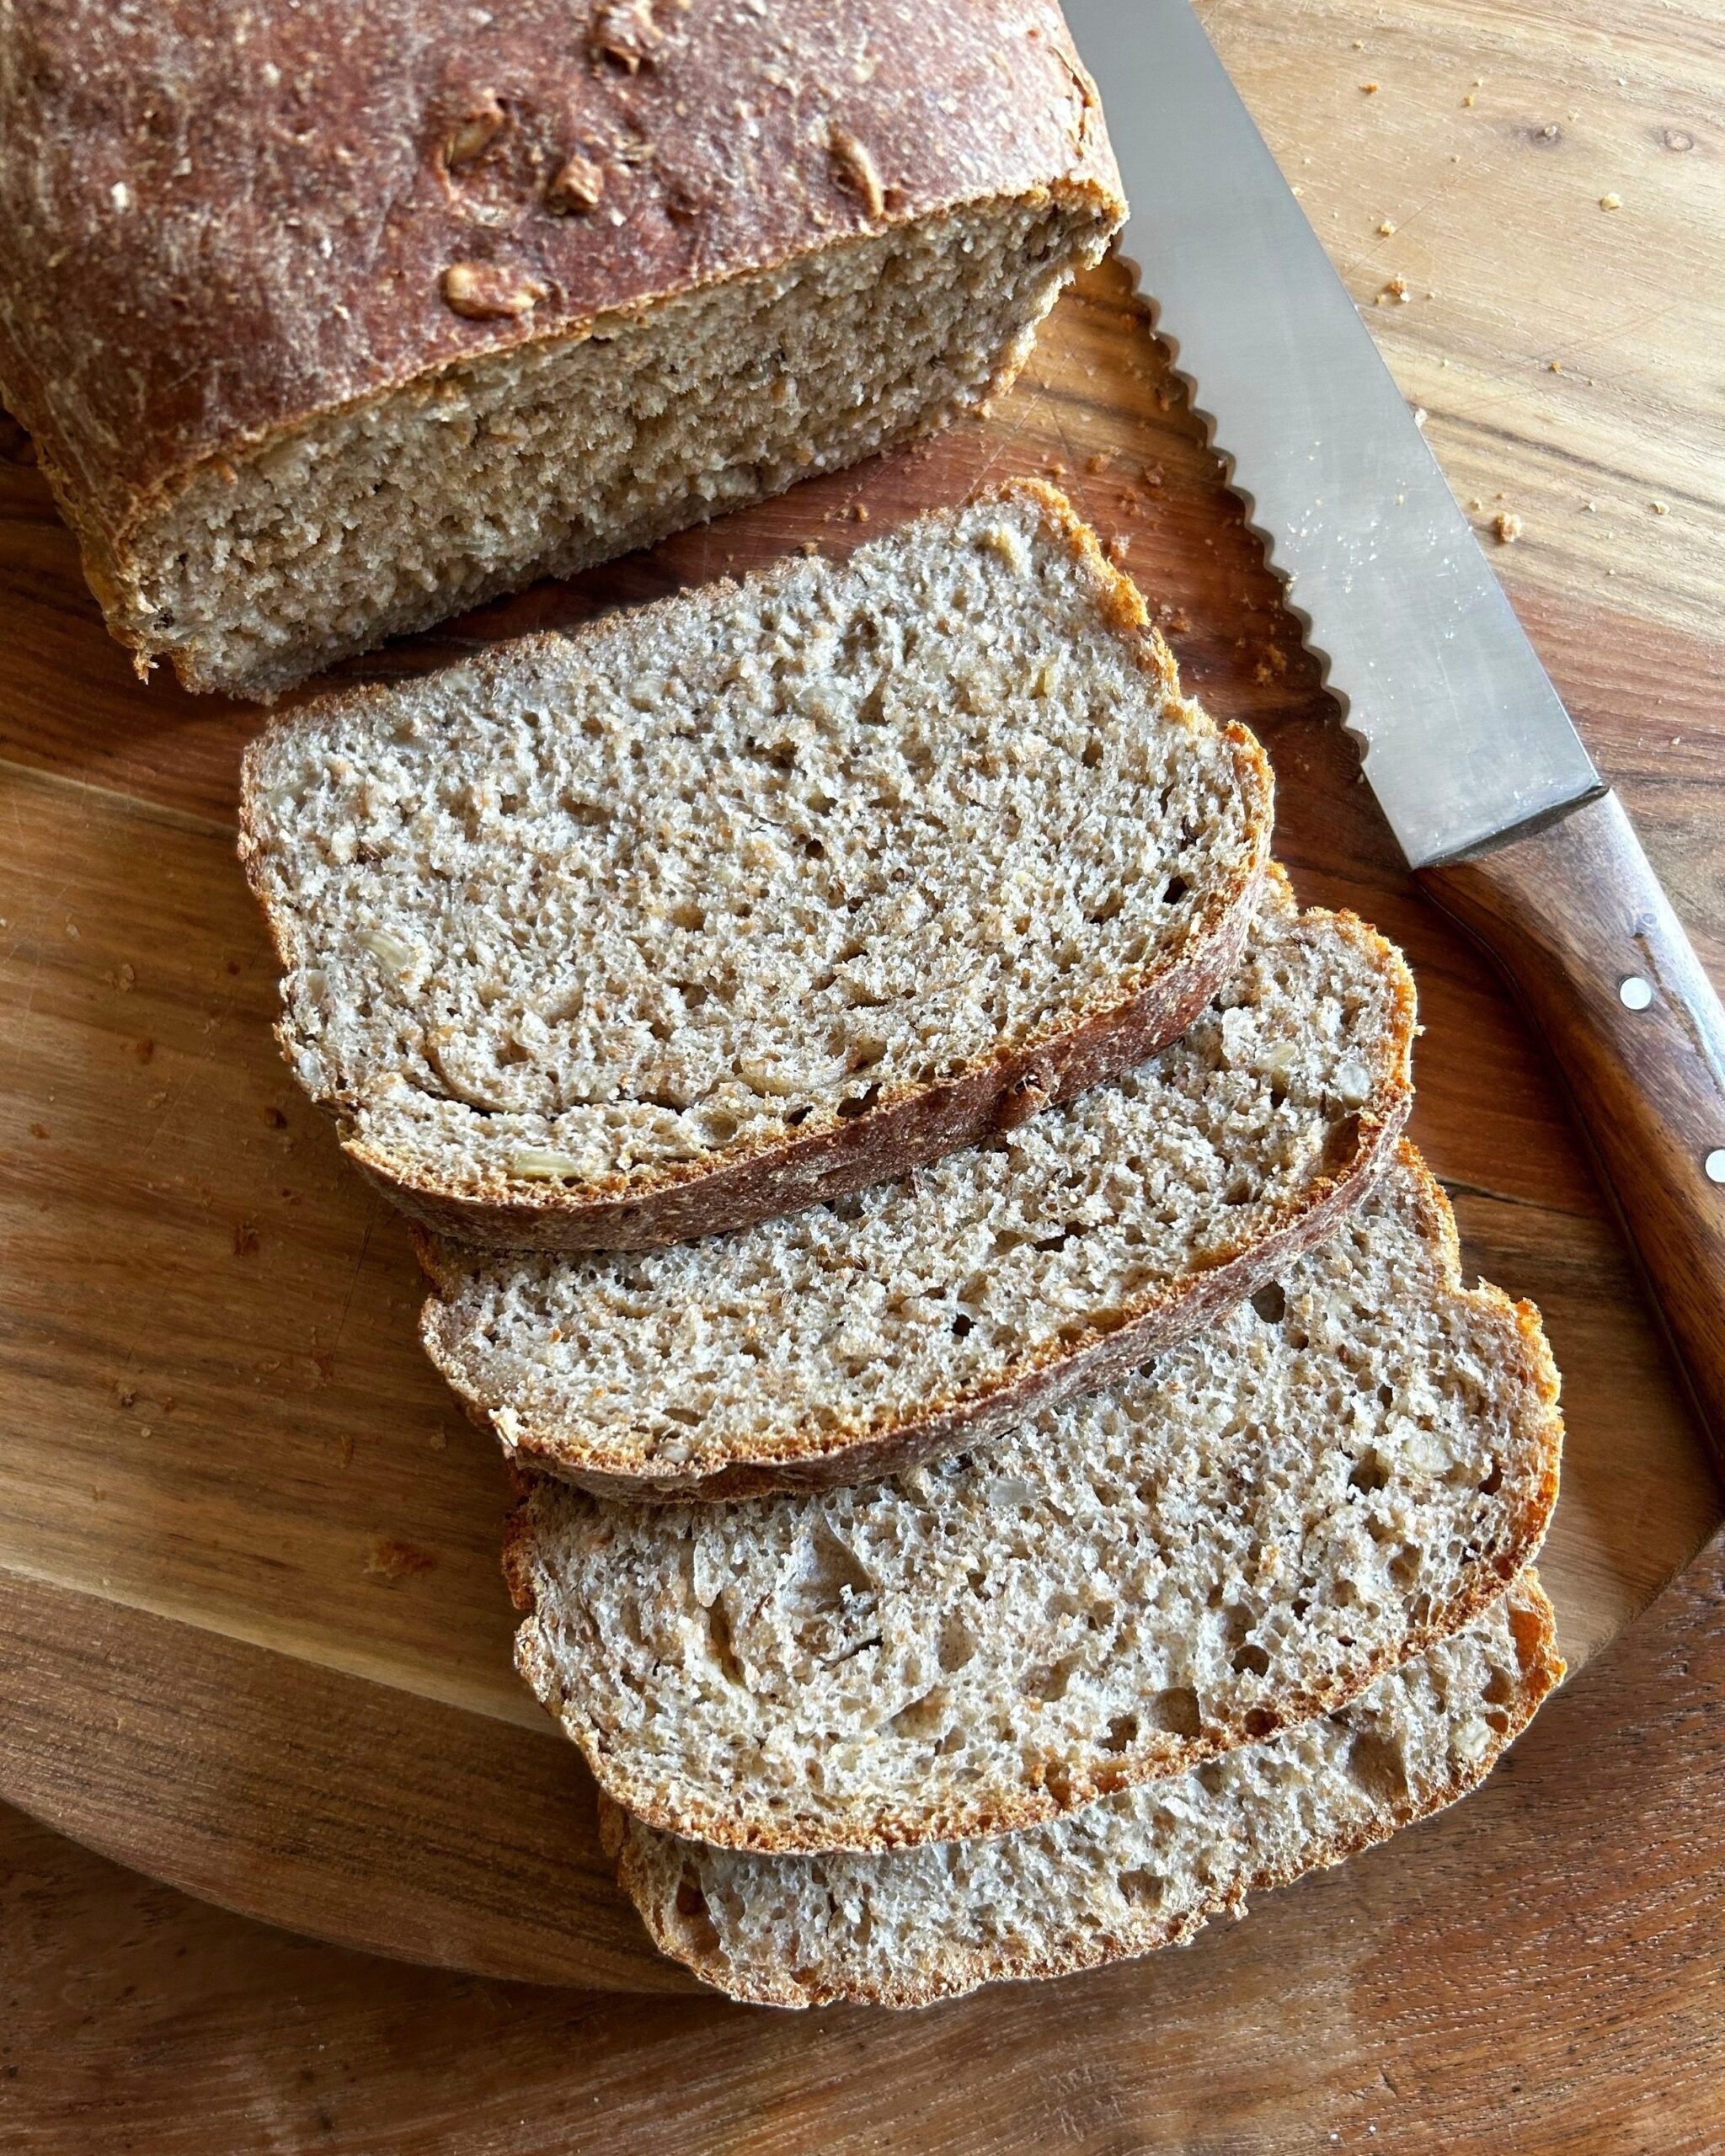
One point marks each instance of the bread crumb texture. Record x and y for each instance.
(1142, 1870)
(594, 914)
(1246, 1532)
(330, 329)
(543, 460)
(923, 1300)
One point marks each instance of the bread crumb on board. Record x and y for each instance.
(391, 1559)
(1507, 526)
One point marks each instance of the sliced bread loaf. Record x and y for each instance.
(1147, 1867)
(756, 895)
(330, 319)
(853, 1338)
(1246, 1533)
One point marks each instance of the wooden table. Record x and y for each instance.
(1564, 352)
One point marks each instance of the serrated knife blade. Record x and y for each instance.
(1465, 737)
(1472, 757)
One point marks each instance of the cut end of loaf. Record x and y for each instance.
(1132, 1873)
(595, 941)
(862, 1334)
(544, 458)
(1242, 1534)
(527, 290)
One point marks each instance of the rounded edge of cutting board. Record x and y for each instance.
(256, 1778)
(334, 1806)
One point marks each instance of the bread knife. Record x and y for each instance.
(1485, 782)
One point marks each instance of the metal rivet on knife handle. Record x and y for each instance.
(1642, 1055)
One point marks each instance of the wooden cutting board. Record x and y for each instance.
(256, 1642)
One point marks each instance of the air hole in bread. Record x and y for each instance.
(1406, 1567)
(923, 1718)
(1377, 1768)
(698, 1933)
(1368, 1472)
(1052, 1682)
(721, 1644)
(958, 1645)
(1176, 1711)
(1143, 1889)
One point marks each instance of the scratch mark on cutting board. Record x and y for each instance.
(354, 1279)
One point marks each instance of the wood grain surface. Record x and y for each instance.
(219, 1417)
(236, 1513)
(1538, 1970)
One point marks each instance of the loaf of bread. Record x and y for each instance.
(854, 1337)
(757, 895)
(1147, 1867)
(1246, 1533)
(330, 325)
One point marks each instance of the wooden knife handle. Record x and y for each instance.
(1575, 916)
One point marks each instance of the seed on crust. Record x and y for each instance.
(474, 131)
(486, 291)
(855, 170)
(624, 33)
(577, 184)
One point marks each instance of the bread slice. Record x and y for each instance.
(1350, 1466)
(409, 303)
(756, 895)
(851, 1339)
(1147, 1867)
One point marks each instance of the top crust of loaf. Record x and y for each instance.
(1080, 951)
(206, 240)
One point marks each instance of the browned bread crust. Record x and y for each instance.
(832, 1154)
(1057, 1789)
(679, 1202)
(206, 240)
(849, 1451)
(649, 1873)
